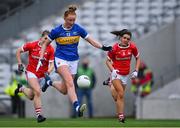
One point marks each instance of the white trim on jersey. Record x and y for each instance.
(137, 55)
(51, 60)
(123, 46)
(22, 48)
(49, 38)
(86, 36)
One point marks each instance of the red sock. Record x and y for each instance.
(121, 115)
(38, 111)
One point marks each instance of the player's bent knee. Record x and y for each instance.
(64, 92)
(114, 97)
(31, 98)
(120, 96)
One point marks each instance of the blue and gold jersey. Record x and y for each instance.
(67, 41)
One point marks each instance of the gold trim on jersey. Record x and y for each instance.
(68, 40)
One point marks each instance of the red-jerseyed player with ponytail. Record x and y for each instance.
(118, 61)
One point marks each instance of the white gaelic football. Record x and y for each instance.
(83, 81)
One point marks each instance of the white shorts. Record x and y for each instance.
(122, 78)
(72, 65)
(32, 75)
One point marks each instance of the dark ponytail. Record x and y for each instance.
(122, 32)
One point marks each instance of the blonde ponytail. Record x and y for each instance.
(71, 10)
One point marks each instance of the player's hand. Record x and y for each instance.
(106, 48)
(134, 74)
(20, 68)
(40, 63)
(114, 73)
(47, 73)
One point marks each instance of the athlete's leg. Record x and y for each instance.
(60, 86)
(80, 94)
(113, 92)
(34, 83)
(115, 97)
(120, 89)
(27, 91)
(69, 83)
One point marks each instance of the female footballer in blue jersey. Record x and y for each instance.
(67, 37)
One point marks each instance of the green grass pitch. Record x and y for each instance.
(95, 122)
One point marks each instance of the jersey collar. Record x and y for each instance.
(66, 28)
(122, 46)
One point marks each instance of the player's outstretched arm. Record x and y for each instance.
(44, 46)
(96, 44)
(45, 43)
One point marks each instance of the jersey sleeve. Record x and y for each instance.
(110, 54)
(83, 33)
(135, 51)
(27, 46)
(54, 34)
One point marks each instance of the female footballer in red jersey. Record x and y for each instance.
(118, 61)
(35, 78)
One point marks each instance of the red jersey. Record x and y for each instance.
(121, 57)
(34, 53)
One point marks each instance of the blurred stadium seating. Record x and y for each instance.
(9, 7)
(100, 17)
